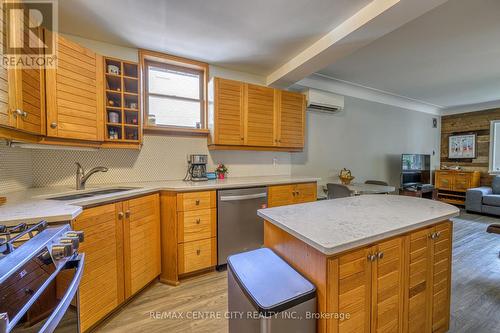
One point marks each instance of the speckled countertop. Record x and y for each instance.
(33, 205)
(333, 226)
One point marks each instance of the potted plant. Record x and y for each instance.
(221, 171)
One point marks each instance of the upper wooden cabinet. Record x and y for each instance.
(75, 93)
(259, 116)
(247, 116)
(225, 118)
(291, 119)
(22, 94)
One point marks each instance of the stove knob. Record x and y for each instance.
(70, 240)
(78, 234)
(60, 251)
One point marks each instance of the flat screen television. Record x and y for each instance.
(415, 169)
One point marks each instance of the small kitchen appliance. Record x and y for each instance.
(197, 168)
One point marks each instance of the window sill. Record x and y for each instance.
(177, 130)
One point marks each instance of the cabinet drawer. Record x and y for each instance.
(462, 182)
(195, 200)
(305, 192)
(196, 255)
(444, 181)
(196, 225)
(280, 195)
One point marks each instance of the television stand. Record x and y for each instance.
(426, 193)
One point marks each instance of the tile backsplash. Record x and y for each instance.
(161, 158)
(16, 169)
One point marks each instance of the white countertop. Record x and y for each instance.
(333, 226)
(31, 205)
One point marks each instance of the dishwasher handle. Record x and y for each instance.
(243, 197)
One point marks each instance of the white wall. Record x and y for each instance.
(368, 138)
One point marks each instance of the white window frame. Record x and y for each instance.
(492, 160)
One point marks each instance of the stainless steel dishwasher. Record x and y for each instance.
(239, 228)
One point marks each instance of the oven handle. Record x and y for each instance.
(243, 197)
(60, 310)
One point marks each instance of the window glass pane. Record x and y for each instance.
(173, 112)
(173, 82)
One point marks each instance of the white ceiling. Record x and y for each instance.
(449, 56)
(254, 36)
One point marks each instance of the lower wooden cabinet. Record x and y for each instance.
(141, 242)
(282, 195)
(122, 254)
(101, 288)
(188, 233)
(429, 279)
(400, 284)
(369, 284)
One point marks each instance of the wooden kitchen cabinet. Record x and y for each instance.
(188, 233)
(429, 279)
(74, 93)
(291, 119)
(282, 195)
(369, 286)
(400, 284)
(22, 93)
(122, 249)
(141, 242)
(226, 112)
(251, 117)
(259, 116)
(102, 285)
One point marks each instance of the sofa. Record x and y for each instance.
(484, 199)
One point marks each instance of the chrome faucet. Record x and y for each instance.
(82, 177)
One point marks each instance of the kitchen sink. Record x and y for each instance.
(74, 196)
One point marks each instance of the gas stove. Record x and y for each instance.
(12, 237)
(31, 258)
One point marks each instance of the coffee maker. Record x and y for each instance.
(197, 168)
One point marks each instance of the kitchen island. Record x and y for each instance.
(380, 263)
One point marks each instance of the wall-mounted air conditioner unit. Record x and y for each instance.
(323, 101)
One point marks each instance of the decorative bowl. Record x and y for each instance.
(346, 180)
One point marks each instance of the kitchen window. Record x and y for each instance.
(174, 94)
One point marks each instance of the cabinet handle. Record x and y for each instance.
(120, 215)
(197, 202)
(371, 257)
(433, 235)
(198, 252)
(380, 255)
(198, 221)
(53, 125)
(20, 113)
(438, 234)
(127, 214)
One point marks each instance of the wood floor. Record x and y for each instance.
(475, 294)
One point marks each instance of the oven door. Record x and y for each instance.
(56, 310)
